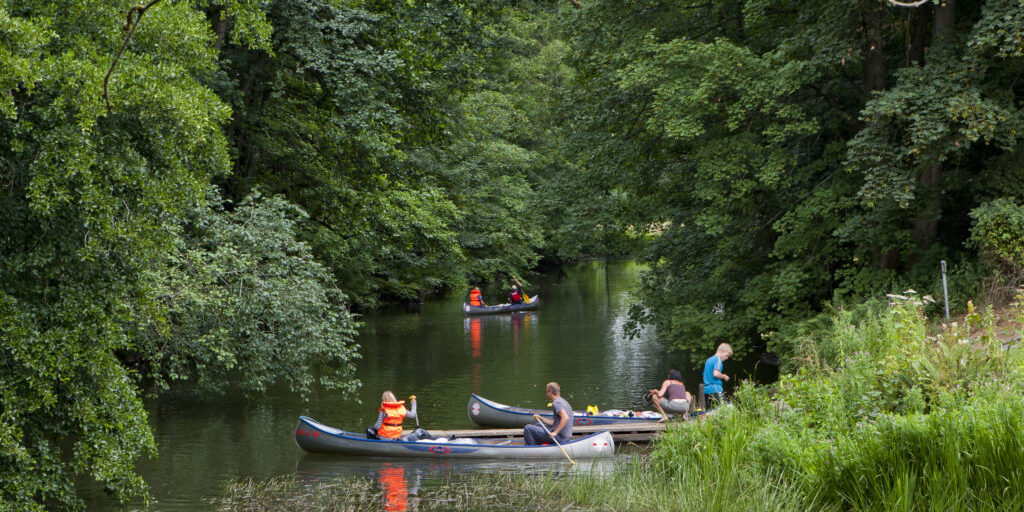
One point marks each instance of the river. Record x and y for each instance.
(575, 338)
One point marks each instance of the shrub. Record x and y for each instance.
(998, 234)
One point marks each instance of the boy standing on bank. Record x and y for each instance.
(713, 376)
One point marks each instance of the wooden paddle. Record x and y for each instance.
(545, 427)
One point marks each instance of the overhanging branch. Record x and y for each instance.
(919, 3)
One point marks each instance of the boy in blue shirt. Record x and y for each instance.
(713, 375)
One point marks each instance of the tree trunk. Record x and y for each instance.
(926, 221)
(929, 190)
(874, 54)
(874, 80)
(943, 25)
(917, 37)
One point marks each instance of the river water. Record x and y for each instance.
(575, 338)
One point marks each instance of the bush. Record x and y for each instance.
(998, 234)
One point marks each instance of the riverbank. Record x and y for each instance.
(884, 414)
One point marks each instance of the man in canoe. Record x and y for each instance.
(514, 297)
(517, 296)
(475, 297)
(560, 427)
(389, 421)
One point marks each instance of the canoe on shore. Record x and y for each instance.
(489, 413)
(501, 308)
(315, 437)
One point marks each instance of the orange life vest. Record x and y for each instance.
(475, 299)
(394, 414)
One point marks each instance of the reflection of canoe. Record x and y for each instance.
(501, 308)
(492, 414)
(316, 437)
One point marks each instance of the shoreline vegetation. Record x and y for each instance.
(881, 413)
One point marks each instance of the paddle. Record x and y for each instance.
(412, 398)
(545, 427)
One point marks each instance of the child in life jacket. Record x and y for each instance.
(389, 420)
(475, 297)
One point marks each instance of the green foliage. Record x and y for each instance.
(998, 233)
(243, 303)
(358, 117)
(779, 155)
(882, 415)
(102, 214)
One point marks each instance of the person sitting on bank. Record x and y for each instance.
(475, 297)
(514, 297)
(713, 376)
(672, 397)
(559, 428)
(389, 421)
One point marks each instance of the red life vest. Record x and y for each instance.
(475, 299)
(514, 297)
(394, 414)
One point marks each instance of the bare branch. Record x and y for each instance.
(134, 16)
(918, 3)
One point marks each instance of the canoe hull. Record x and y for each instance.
(501, 308)
(489, 413)
(315, 437)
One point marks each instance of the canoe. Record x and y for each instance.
(489, 413)
(501, 308)
(315, 437)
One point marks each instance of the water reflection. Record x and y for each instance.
(474, 325)
(497, 330)
(410, 474)
(395, 487)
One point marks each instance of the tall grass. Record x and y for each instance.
(883, 416)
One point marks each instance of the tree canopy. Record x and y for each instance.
(783, 154)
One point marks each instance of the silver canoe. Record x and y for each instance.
(489, 413)
(315, 437)
(501, 308)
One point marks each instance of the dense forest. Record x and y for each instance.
(206, 191)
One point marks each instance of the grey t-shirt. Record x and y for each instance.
(559, 404)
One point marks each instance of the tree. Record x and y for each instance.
(94, 205)
(782, 154)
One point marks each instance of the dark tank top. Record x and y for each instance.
(675, 391)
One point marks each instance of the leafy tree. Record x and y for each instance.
(244, 303)
(780, 154)
(334, 119)
(94, 203)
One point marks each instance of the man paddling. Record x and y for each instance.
(561, 425)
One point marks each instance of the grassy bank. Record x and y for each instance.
(882, 412)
